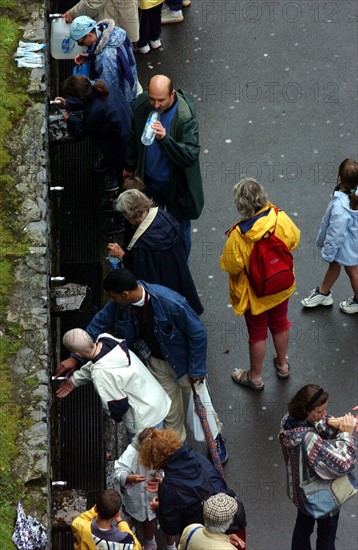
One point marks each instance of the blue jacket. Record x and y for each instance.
(158, 256)
(189, 479)
(113, 61)
(338, 234)
(178, 329)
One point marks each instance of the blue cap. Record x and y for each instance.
(81, 26)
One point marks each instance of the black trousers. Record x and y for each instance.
(149, 25)
(326, 532)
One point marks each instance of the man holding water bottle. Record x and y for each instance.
(169, 166)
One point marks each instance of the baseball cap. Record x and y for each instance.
(81, 26)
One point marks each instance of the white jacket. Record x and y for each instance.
(136, 498)
(116, 377)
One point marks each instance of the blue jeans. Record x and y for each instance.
(326, 532)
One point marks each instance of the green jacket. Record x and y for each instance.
(181, 147)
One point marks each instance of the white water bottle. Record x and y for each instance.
(62, 45)
(148, 132)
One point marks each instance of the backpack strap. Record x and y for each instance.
(276, 212)
(191, 534)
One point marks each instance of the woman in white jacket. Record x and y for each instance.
(338, 241)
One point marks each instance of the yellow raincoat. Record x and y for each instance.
(236, 258)
(81, 529)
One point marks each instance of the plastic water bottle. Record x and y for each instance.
(148, 132)
(115, 263)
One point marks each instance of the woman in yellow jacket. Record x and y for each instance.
(268, 312)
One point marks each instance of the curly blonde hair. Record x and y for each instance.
(249, 197)
(156, 446)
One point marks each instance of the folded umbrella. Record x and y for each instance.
(210, 441)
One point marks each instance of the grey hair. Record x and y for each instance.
(132, 203)
(78, 341)
(218, 528)
(249, 197)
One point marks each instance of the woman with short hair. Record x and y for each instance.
(304, 434)
(155, 250)
(260, 218)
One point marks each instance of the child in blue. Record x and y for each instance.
(338, 240)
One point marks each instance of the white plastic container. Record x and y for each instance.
(62, 45)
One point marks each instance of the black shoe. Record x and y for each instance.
(110, 185)
(222, 450)
(101, 165)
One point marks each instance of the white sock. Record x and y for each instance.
(171, 547)
(152, 541)
(174, 12)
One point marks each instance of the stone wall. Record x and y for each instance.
(28, 305)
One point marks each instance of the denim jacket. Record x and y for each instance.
(180, 333)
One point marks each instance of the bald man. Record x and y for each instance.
(127, 389)
(170, 166)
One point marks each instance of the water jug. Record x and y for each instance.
(62, 45)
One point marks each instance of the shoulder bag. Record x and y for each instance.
(322, 496)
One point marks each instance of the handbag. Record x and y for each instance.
(325, 495)
(193, 419)
(322, 496)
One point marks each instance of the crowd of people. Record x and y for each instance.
(147, 347)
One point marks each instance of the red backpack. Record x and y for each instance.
(271, 265)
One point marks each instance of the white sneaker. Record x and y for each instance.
(144, 49)
(349, 306)
(155, 44)
(317, 299)
(169, 16)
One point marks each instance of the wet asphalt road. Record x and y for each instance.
(275, 84)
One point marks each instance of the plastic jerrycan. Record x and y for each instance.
(62, 45)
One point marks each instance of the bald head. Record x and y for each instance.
(79, 341)
(161, 94)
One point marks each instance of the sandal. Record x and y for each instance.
(282, 372)
(241, 377)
